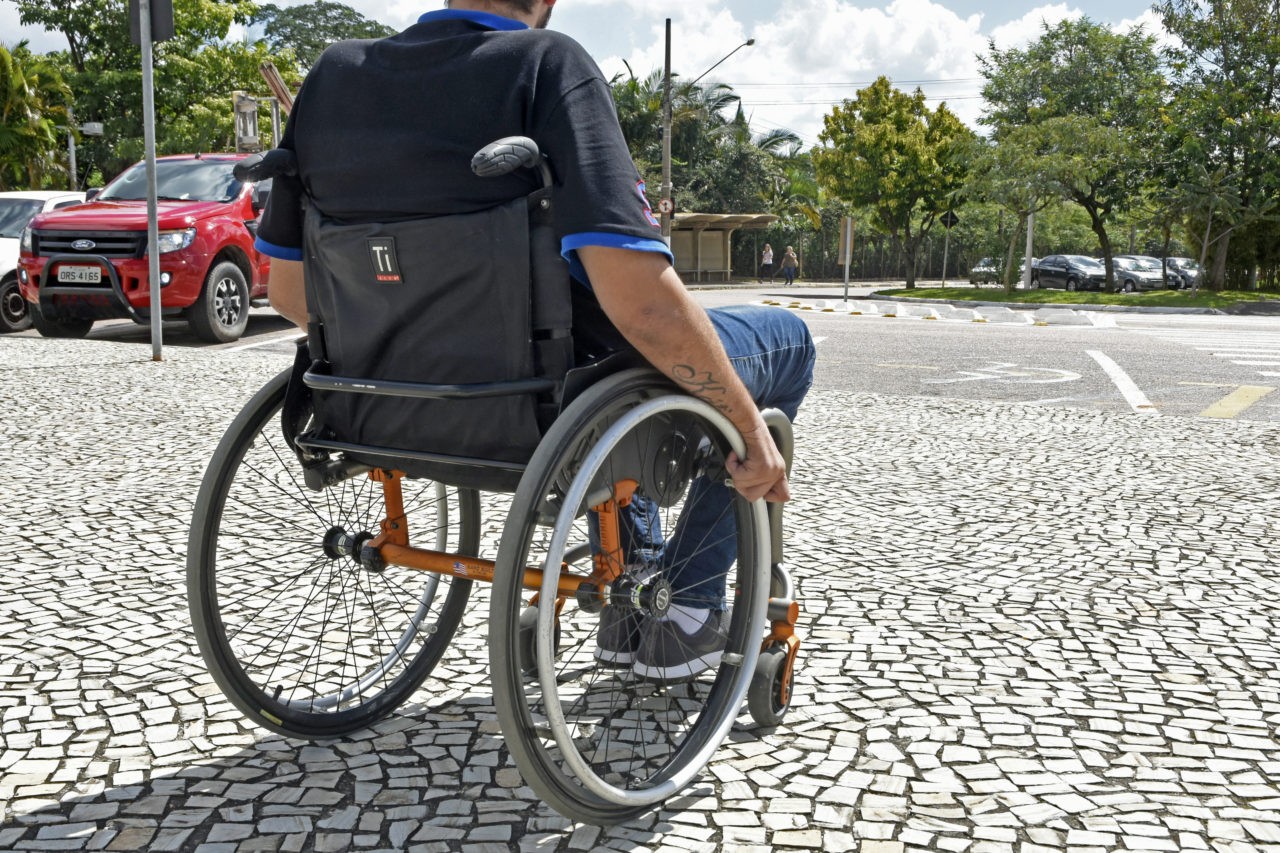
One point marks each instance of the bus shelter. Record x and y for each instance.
(701, 242)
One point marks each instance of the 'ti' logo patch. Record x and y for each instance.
(382, 251)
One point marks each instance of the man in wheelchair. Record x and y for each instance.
(383, 131)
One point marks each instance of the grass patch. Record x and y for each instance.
(1158, 298)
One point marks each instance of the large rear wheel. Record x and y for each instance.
(594, 732)
(300, 636)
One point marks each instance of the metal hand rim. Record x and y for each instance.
(546, 626)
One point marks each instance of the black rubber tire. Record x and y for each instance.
(1130, 287)
(764, 698)
(15, 314)
(221, 313)
(68, 328)
(663, 732)
(1073, 285)
(529, 639)
(240, 565)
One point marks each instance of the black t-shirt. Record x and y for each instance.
(385, 129)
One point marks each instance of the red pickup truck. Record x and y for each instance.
(90, 262)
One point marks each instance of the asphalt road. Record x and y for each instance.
(1157, 364)
(1176, 365)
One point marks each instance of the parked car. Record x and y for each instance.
(984, 271)
(1170, 277)
(1186, 268)
(90, 262)
(16, 211)
(1138, 272)
(1071, 272)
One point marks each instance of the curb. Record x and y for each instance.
(1023, 306)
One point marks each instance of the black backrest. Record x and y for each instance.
(440, 345)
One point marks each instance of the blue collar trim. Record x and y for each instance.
(484, 19)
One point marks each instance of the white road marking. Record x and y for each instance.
(274, 339)
(1007, 371)
(1127, 387)
(1245, 348)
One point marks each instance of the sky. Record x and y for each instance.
(808, 54)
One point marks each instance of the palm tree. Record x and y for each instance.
(33, 99)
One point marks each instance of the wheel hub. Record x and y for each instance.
(652, 598)
(338, 543)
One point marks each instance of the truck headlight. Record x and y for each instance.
(173, 241)
(24, 242)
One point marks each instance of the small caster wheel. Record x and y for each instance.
(768, 687)
(529, 640)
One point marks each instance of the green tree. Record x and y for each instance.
(195, 74)
(1102, 91)
(886, 150)
(1224, 121)
(33, 118)
(311, 27)
(1019, 175)
(718, 164)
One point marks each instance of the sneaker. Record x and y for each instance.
(685, 642)
(618, 636)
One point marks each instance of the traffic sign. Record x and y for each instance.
(949, 220)
(665, 205)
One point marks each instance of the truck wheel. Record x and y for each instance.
(14, 316)
(222, 311)
(65, 328)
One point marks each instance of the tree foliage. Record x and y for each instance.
(33, 118)
(311, 27)
(888, 151)
(195, 74)
(717, 164)
(1222, 128)
(1096, 94)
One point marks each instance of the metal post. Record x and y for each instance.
(849, 251)
(946, 250)
(149, 141)
(71, 152)
(666, 141)
(275, 122)
(1031, 231)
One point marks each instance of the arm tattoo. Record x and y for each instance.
(702, 385)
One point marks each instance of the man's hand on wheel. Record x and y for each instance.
(763, 474)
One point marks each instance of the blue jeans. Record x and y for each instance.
(773, 355)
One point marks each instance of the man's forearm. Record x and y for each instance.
(287, 292)
(657, 316)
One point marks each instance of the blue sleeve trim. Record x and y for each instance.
(271, 250)
(484, 19)
(570, 245)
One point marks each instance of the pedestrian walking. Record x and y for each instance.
(790, 263)
(766, 263)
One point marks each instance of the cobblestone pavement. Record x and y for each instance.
(1026, 630)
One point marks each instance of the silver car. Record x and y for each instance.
(1138, 272)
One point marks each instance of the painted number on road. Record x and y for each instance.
(1007, 371)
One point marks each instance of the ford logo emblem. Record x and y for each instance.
(83, 245)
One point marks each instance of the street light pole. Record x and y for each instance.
(667, 204)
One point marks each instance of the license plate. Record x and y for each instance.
(80, 275)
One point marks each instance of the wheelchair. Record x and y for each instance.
(327, 575)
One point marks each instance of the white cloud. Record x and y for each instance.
(12, 31)
(1029, 27)
(814, 53)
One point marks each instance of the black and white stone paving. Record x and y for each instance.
(1026, 629)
